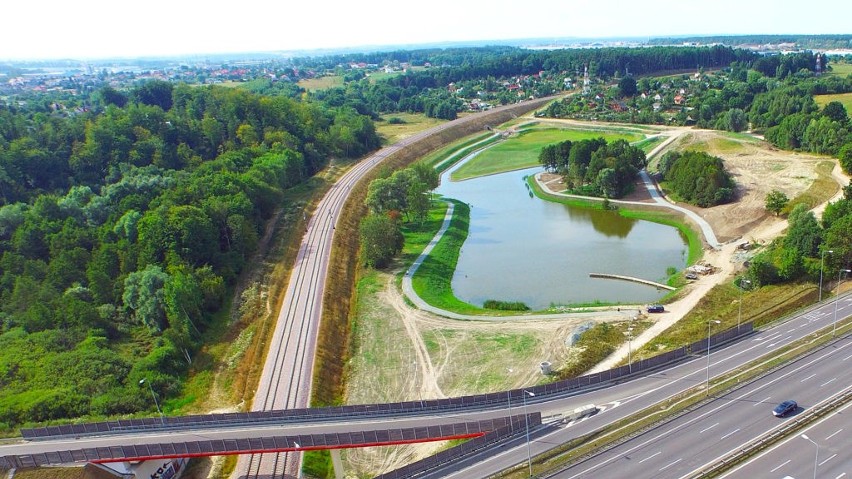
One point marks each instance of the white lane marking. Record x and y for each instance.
(827, 382)
(729, 434)
(649, 457)
(781, 465)
(829, 458)
(847, 357)
(803, 380)
(791, 330)
(838, 477)
(707, 428)
(675, 462)
(833, 434)
(758, 403)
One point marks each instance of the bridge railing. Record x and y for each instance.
(213, 447)
(364, 411)
(456, 453)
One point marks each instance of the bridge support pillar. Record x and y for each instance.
(150, 469)
(337, 463)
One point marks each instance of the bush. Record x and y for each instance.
(505, 305)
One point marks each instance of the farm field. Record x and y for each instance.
(321, 83)
(410, 124)
(522, 148)
(844, 98)
(841, 69)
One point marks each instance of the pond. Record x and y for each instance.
(522, 248)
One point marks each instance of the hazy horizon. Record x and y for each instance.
(91, 29)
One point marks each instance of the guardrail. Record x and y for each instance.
(363, 411)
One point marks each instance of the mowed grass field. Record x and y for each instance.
(321, 83)
(411, 123)
(845, 98)
(840, 69)
(521, 151)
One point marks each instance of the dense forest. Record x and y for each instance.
(595, 167)
(123, 227)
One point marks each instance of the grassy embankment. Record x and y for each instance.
(334, 347)
(522, 151)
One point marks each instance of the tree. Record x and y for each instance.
(835, 111)
(735, 120)
(627, 86)
(381, 240)
(803, 234)
(776, 201)
(144, 296)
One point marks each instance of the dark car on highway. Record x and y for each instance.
(784, 408)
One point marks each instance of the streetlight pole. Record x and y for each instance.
(141, 382)
(837, 298)
(527, 417)
(629, 361)
(709, 323)
(816, 457)
(740, 315)
(821, 262)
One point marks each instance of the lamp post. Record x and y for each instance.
(526, 416)
(141, 382)
(821, 262)
(709, 323)
(629, 361)
(816, 457)
(837, 298)
(740, 315)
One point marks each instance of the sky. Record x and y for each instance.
(86, 29)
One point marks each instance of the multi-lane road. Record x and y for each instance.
(626, 399)
(817, 375)
(829, 455)
(728, 423)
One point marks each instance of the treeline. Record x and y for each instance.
(401, 196)
(425, 91)
(595, 167)
(809, 246)
(696, 177)
(802, 41)
(122, 229)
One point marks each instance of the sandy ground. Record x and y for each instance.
(443, 357)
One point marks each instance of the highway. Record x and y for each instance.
(622, 400)
(796, 457)
(616, 402)
(727, 423)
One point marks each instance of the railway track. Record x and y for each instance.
(285, 381)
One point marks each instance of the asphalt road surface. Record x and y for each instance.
(796, 457)
(727, 423)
